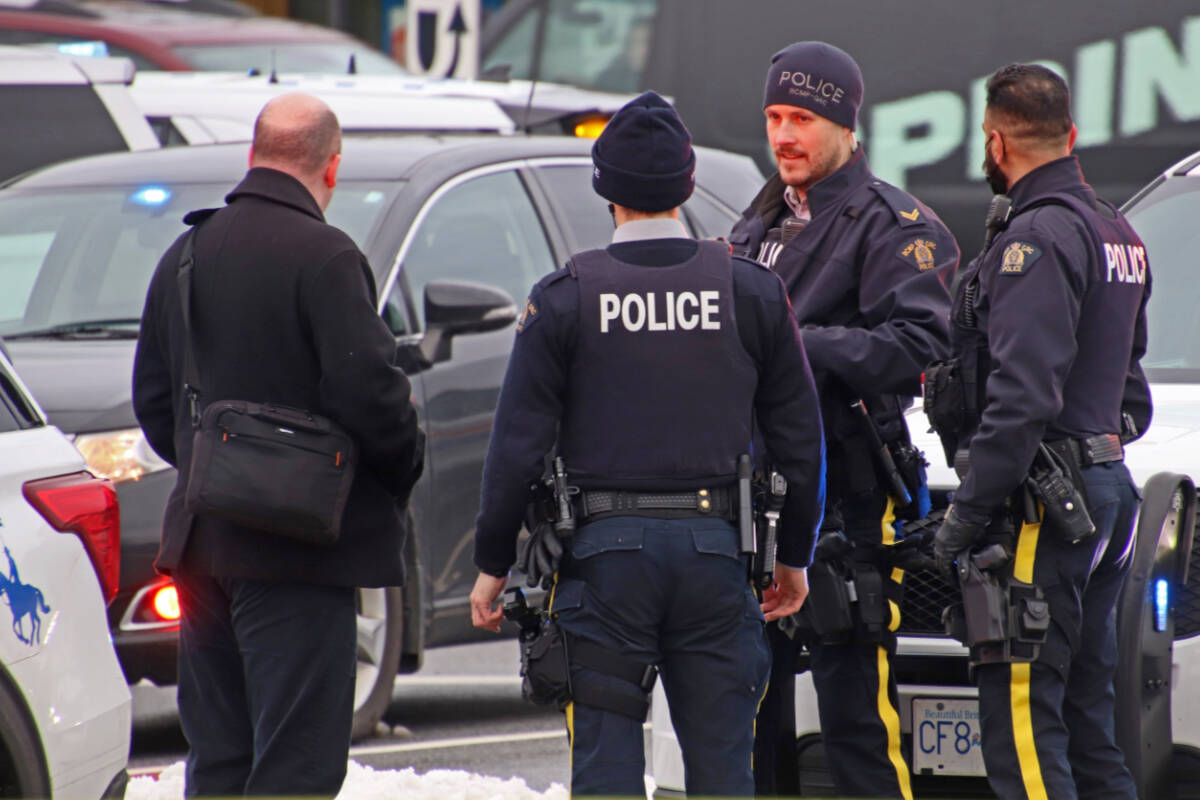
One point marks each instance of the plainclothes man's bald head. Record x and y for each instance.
(298, 134)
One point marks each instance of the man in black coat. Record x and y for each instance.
(284, 311)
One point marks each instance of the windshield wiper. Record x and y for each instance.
(93, 328)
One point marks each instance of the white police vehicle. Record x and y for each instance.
(59, 106)
(64, 704)
(208, 107)
(1158, 679)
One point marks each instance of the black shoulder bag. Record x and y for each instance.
(263, 466)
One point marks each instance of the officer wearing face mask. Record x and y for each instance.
(649, 366)
(1049, 327)
(867, 267)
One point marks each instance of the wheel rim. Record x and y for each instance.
(371, 624)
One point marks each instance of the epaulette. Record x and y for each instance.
(199, 215)
(749, 260)
(556, 276)
(908, 212)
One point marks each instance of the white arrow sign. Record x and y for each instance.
(442, 38)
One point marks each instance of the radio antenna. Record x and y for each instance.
(539, 42)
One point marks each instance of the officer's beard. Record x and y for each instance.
(995, 177)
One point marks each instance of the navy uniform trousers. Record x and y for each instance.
(1048, 728)
(266, 685)
(675, 593)
(855, 688)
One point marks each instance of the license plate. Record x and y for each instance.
(946, 736)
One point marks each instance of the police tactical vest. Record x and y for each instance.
(1115, 282)
(661, 390)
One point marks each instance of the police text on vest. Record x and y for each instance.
(1126, 263)
(683, 311)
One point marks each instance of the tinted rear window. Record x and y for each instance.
(44, 124)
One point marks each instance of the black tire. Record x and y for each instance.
(22, 764)
(380, 631)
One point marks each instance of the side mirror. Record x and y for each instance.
(453, 308)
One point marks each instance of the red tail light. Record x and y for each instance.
(85, 505)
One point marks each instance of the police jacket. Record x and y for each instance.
(649, 363)
(868, 280)
(1055, 312)
(284, 311)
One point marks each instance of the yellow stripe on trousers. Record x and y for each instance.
(888, 538)
(1019, 682)
(891, 723)
(887, 712)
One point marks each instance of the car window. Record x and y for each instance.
(591, 226)
(320, 57)
(82, 255)
(1166, 221)
(41, 124)
(484, 230)
(596, 44)
(708, 217)
(15, 412)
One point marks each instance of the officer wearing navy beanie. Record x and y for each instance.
(867, 267)
(649, 366)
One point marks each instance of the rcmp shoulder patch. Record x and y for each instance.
(908, 212)
(921, 253)
(528, 316)
(1018, 258)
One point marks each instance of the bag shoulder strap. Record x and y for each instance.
(183, 276)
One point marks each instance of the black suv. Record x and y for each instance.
(79, 241)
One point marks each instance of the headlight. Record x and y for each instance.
(122, 455)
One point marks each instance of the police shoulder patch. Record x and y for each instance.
(1018, 258)
(528, 316)
(920, 252)
(908, 212)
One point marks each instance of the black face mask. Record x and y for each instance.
(991, 169)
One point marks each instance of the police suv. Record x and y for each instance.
(64, 704)
(1158, 615)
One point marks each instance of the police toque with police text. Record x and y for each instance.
(644, 158)
(816, 76)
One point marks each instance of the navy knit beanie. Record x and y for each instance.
(644, 158)
(819, 77)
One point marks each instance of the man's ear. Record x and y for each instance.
(251, 158)
(999, 150)
(1074, 134)
(331, 170)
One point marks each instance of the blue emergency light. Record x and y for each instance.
(151, 196)
(84, 49)
(1161, 604)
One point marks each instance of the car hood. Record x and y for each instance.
(1171, 445)
(83, 386)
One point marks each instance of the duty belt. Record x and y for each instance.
(701, 502)
(1099, 449)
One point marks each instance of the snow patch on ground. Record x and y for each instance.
(365, 783)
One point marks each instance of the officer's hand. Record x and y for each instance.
(542, 555)
(483, 596)
(955, 536)
(785, 596)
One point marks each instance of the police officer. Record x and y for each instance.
(1051, 320)
(650, 364)
(867, 267)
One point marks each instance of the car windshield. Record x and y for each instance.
(595, 44)
(260, 58)
(77, 262)
(1165, 218)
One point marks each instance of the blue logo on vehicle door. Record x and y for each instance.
(24, 601)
